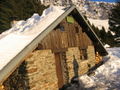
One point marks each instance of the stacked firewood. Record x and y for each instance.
(1, 87)
(98, 58)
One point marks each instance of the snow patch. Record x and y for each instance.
(87, 81)
(106, 46)
(100, 23)
(107, 76)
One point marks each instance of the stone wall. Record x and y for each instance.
(42, 71)
(70, 55)
(90, 62)
(18, 79)
(91, 55)
(84, 65)
(38, 72)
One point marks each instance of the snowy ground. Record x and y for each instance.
(107, 76)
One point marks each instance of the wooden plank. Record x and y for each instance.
(59, 50)
(64, 40)
(89, 40)
(81, 39)
(48, 40)
(59, 41)
(84, 39)
(53, 40)
(68, 35)
(43, 44)
(59, 71)
(74, 35)
(77, 40)
(65, 35)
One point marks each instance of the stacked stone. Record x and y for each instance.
(42, 71)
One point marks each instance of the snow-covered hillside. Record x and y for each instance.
(95, 10)
(107, 76)
(100, 23)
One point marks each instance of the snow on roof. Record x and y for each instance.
(18, 37)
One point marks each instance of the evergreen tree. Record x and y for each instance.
(18, 10)
(103, 35)
(114, 20)
(96, 30)
(110, 39)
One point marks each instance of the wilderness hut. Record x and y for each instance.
(63, 47)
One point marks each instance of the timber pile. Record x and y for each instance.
(98, 58)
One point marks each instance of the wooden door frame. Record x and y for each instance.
(59, 70)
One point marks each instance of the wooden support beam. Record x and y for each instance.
(59, 50)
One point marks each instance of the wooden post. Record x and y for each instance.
(59, 70)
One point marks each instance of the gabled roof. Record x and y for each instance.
(13, 61)
(87, 28)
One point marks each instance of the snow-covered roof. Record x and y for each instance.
(13, 41)
(24, 32)
(24, 37)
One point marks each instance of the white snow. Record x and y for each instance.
(87, 81)
(107, 76)
(100, 23)
(42, 1)
(106, 46)
(17, 38)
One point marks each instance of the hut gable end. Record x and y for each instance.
(65, 47)
(66, 34)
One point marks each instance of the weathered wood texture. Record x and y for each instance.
(59, 70)
(72, 36)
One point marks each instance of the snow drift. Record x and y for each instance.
(107, 76)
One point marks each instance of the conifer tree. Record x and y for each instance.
(103, 35)
(17, 10)
(114, 20)
(110, 39)
(96, 30)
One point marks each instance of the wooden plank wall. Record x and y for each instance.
(72, 36)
